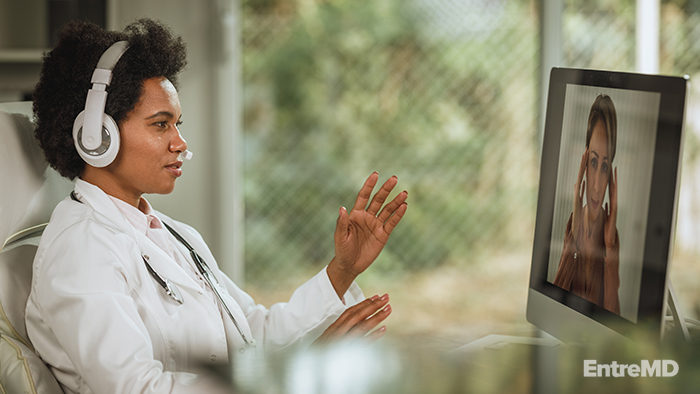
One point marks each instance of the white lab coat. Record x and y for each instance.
(104, 325)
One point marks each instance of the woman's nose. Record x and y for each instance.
(600, 183)
(595, 182)
(178, 144)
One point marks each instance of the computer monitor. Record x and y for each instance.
(593, 276)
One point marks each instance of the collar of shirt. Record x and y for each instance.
(142, 218)
(145, 221)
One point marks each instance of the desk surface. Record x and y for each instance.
(390, 367)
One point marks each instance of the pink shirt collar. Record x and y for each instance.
(142, 218)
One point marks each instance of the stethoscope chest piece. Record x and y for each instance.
(169, 287)
(173, 291)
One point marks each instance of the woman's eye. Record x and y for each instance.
(594, 162)
(604, 168)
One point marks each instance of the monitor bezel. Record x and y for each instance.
(663, 198)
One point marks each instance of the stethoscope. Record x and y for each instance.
(173, 292)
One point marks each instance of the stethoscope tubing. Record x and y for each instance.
(207, 274)
(170, 288)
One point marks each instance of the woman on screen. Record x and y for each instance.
(589, 264)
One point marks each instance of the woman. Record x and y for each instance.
(589, 265)
(125, 299)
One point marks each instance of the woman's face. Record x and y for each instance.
(598, 170)
(150, 144)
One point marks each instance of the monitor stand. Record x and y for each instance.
(500, 342)
(507, 342)
(680, 328)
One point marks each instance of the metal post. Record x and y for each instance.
(550, 51)
(227, 85)
(647, 36)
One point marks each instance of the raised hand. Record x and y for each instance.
(579, 188)
(610, 228)
(361, 234)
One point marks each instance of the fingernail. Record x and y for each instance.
(385, 297)
(382, 328)
(387, 309)
(374, 297)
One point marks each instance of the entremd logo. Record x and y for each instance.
(663, 368)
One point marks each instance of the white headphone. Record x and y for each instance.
(99, 148)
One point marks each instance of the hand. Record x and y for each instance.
(610, 229)
(361, 235)
(579, 188)
(358, 320)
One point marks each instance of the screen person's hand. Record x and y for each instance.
(579, 188)
(610, 228)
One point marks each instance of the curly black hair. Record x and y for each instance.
(59, 96)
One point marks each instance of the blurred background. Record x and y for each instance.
(447, 95)
(289, 105)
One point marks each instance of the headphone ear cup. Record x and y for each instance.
(104, 154)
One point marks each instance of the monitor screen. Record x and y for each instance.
(607, 199)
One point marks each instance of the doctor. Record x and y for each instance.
(127, 300)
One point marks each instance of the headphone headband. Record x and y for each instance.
(112, 55)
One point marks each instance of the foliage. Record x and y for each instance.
(337, 89)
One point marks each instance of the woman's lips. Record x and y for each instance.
(595, 203)
(174, 168)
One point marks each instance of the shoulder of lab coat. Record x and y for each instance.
(77, 290)
(312, 308)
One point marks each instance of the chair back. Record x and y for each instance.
(29, 191)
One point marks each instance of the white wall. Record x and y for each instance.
(206, 196)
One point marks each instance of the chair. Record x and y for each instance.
(29, 190)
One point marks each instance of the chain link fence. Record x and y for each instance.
(441, 93)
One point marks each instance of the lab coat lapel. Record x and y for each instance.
(201, 248)
(163, 264)
(100, 202)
